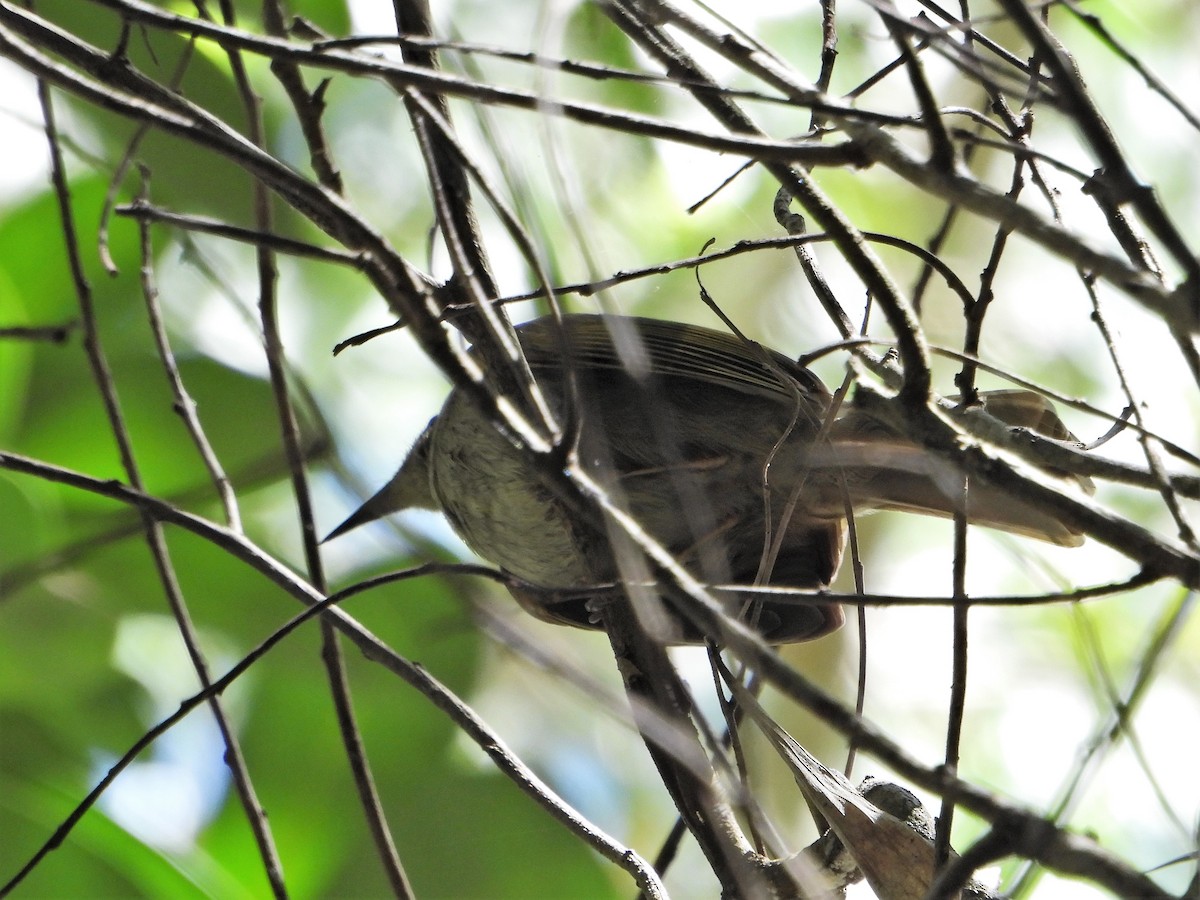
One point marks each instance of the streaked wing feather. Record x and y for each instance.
(603, 343)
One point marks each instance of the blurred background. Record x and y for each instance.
(90, 656)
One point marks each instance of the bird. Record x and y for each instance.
(727, 453)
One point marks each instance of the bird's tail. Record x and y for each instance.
(882, 470)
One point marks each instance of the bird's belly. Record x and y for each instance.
(496, 502)
(704, 507)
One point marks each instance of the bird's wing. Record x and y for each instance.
(640, 347)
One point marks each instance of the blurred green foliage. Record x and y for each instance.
(76, 578)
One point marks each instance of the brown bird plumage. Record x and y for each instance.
(681, 422)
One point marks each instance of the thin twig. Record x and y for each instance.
(185, 406)
(331, 654)
(156, 543)
(53, 334)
